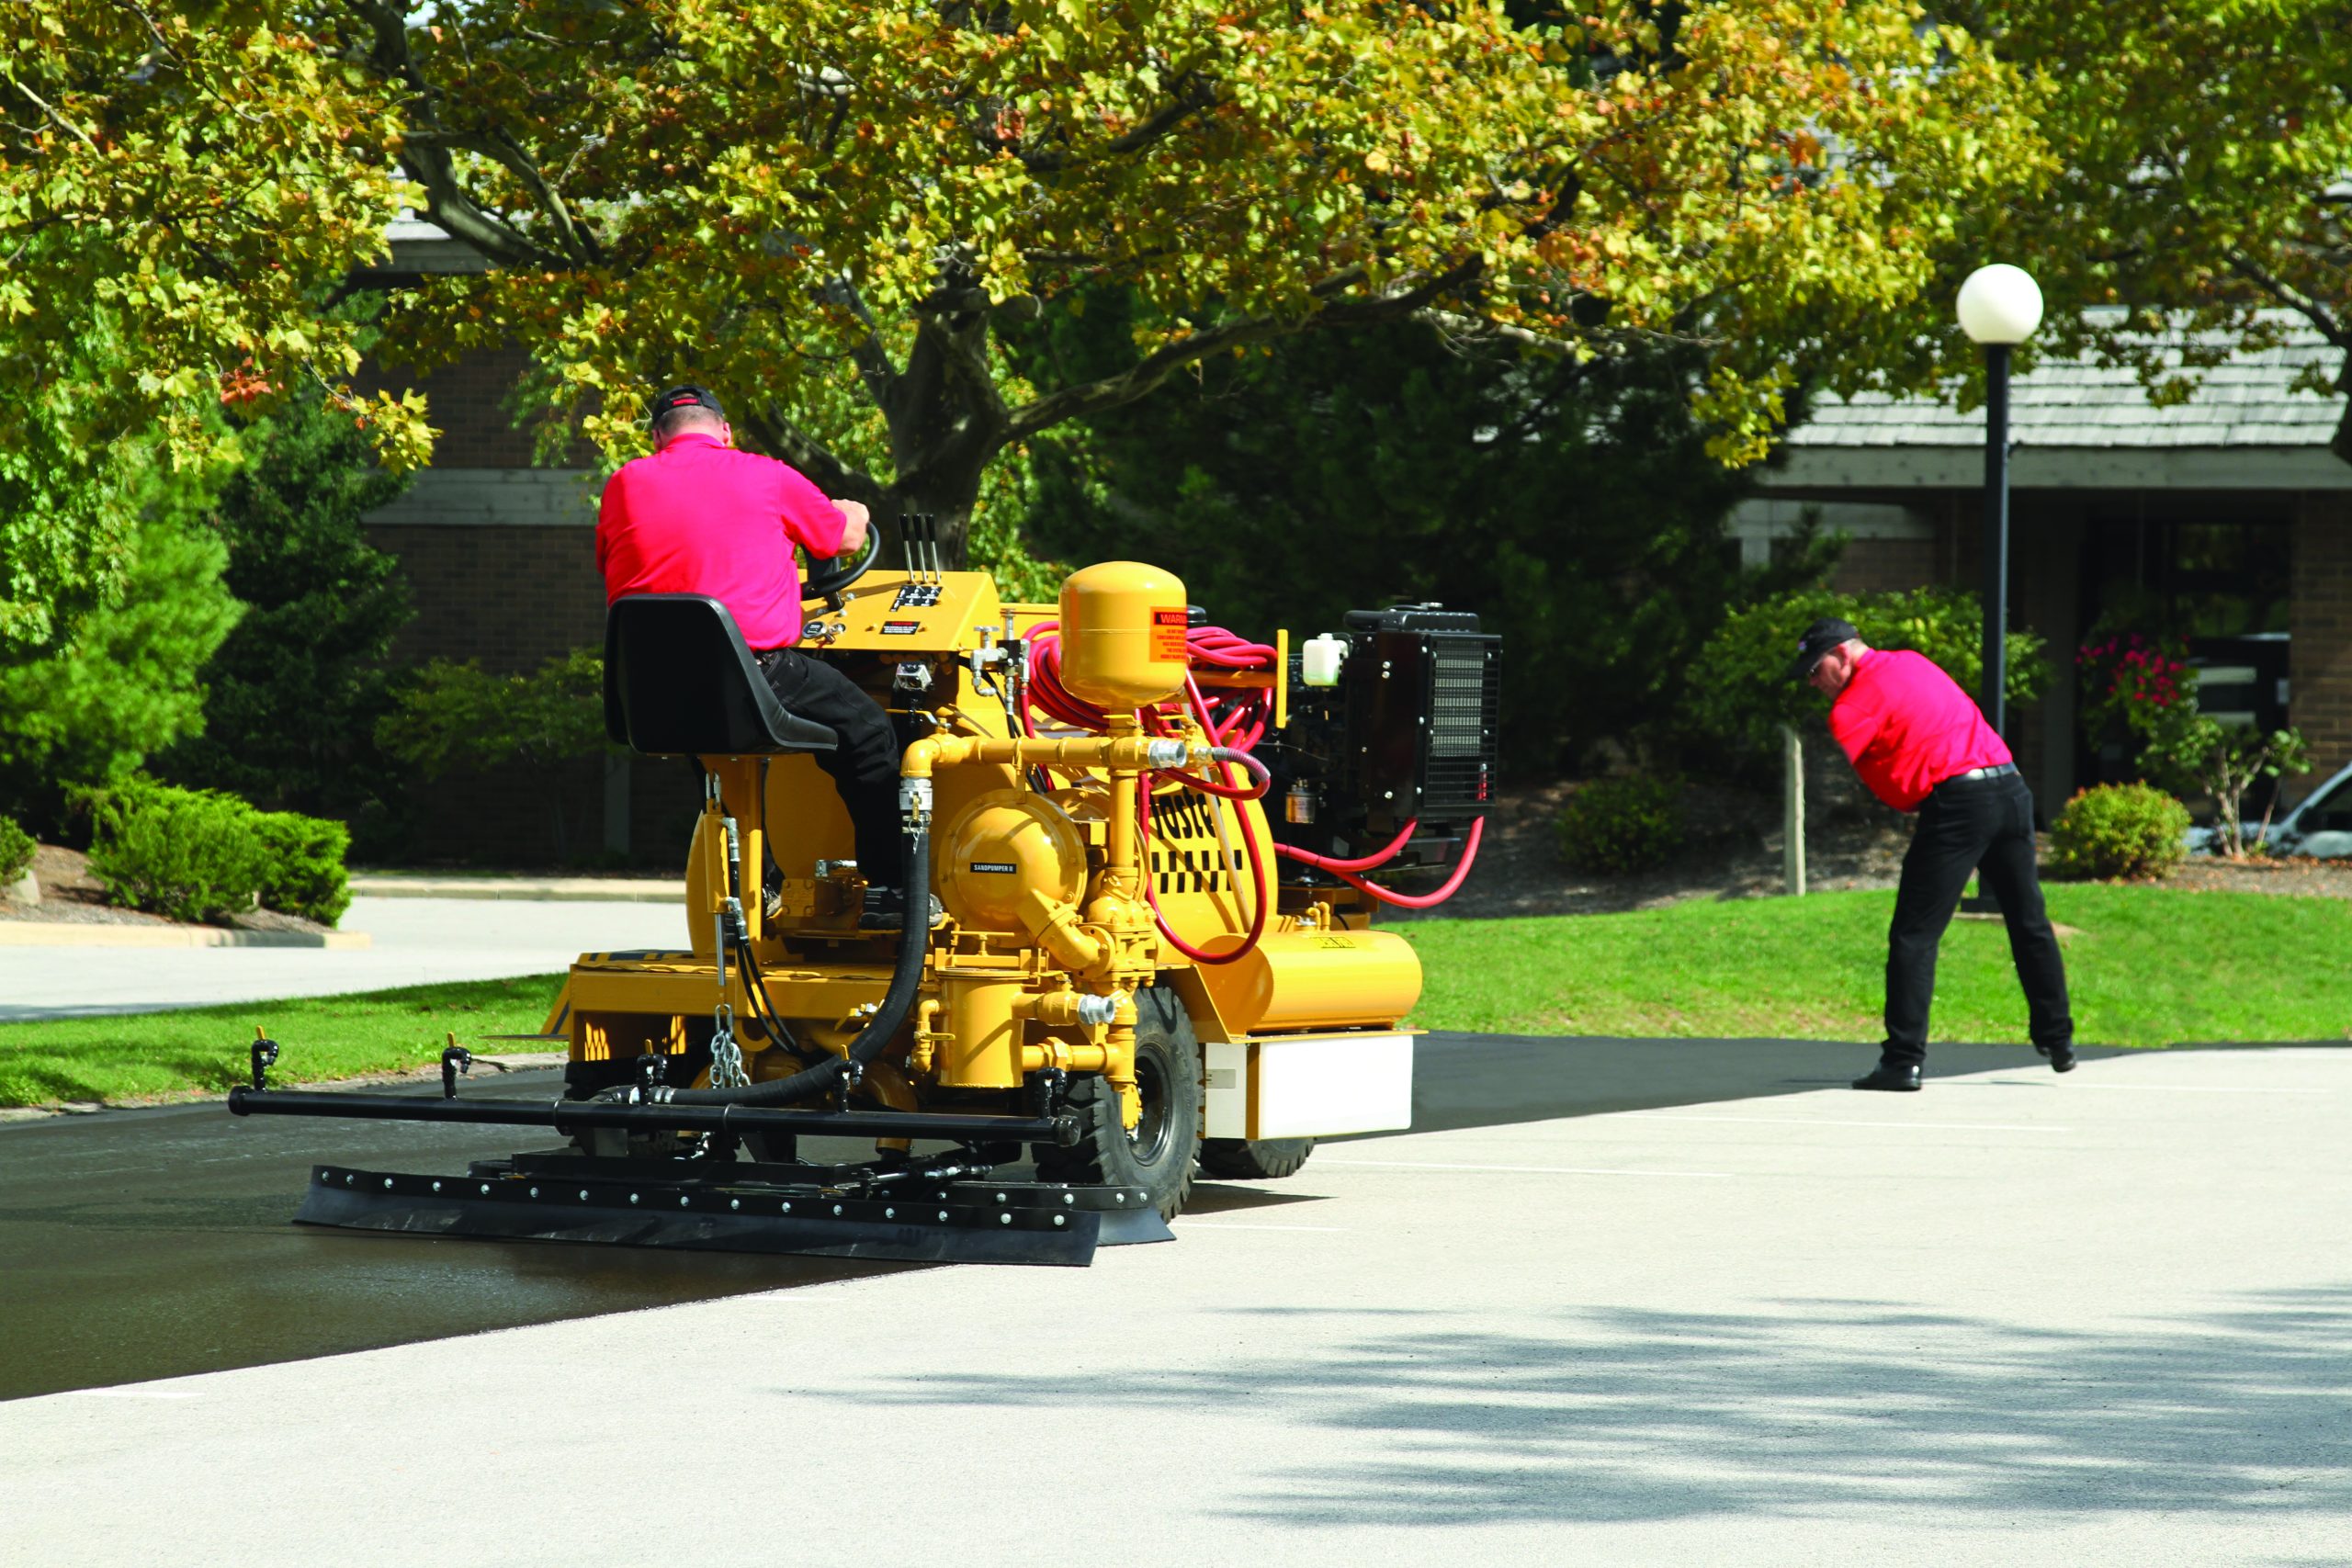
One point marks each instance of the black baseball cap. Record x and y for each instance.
(1819, 637)
(688, 396)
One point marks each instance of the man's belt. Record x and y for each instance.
(2001, 770)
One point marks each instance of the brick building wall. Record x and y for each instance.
(1885, 566)
(511, 596)
(2320, 667)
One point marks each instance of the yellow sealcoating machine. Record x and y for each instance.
(1155, 849)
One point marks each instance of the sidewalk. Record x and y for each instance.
(416, 940)
(2017, 1319)
(532, 890)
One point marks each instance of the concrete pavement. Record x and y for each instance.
(416, 940)
(2017, 1319)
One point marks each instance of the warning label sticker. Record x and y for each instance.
(900, 629)
(1168, 633)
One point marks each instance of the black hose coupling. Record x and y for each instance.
(264, 1056)
(455, 1059)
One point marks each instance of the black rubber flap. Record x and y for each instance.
(698, 1218)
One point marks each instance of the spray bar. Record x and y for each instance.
(570, 1115)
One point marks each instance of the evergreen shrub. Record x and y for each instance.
(16, 851)
(1619, 825)
(199, 854)
(302, 869)
(2127, 830)
(187, 855)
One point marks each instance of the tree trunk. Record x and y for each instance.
(947, 423)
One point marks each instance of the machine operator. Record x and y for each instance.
(698, 516)
(1922, 745)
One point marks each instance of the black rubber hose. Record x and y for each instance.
(906, 978)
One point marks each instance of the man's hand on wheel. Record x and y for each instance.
(854, 536)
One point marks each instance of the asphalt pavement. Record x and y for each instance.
(2016, 1318)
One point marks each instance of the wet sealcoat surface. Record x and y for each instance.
(157, 1243)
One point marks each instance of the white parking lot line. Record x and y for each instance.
(1522, 1169)
(1842, 1122)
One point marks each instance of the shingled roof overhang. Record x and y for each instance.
(2075, 424)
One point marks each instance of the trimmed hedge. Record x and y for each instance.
(198, 855)
(1619, 825)
(2128, 829)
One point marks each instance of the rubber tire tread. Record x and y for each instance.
(1105, 1156)
(1254, 1159)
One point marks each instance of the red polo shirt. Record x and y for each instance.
(701, 517)
(1906, 726)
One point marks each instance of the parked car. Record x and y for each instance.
(2320, 826)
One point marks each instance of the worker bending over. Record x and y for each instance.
(700, 518)
(1922, 745)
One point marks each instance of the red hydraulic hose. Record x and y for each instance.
(1363, 862)
(1424, 900)
(1260, 882)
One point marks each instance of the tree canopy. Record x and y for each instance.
(180, 187)
(2197, 176)
(835, 212)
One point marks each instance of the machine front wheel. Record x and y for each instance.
(1157, 1156)
(1254, 1159)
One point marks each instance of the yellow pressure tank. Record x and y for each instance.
(1295, 979)
(1123, 635)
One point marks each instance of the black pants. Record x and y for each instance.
(865, 766)
(1984, 825)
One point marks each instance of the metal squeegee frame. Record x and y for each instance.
(565, 1115)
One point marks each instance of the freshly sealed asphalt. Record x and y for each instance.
(150, 1244)
(2018, 1318)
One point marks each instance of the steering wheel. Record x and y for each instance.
(825, 582)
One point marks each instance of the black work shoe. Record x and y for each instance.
(886, 910)
(2062, 1057)
(1890, 1075)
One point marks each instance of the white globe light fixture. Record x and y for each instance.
(2000, 304)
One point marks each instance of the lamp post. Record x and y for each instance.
(1999, 307)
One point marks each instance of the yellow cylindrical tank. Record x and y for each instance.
(1123, 635)
(1301, 979)
(1004, 842)
(985, 1051)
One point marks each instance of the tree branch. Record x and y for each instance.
(1193, 94)
(790, 444)
(54, 118)
(1115, 392)
(873, 361)
(424, 153)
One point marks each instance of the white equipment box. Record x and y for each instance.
(1309, 1086)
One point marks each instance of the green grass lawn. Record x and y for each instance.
(2151, 966)
(144, 1054)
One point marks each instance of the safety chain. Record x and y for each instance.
(726, 1057)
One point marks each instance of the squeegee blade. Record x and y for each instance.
(900, 1229)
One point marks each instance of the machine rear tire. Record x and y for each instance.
(1254, 1159)
(1157, 1156)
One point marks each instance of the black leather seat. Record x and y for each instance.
(680, 682)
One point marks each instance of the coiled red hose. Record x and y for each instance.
(1235, 724)
(1261, 884)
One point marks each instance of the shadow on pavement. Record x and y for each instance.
(1621, 1415)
